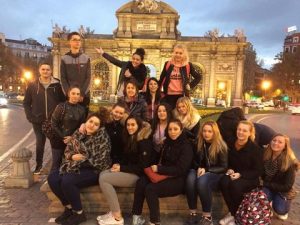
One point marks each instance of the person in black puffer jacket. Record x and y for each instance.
(129, 69)
(66, 118)
(245, 166)
(136, 104)
(115, 129)
(137, 155)
(176, 159)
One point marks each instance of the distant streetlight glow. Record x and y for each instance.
(27, 75)
(266, 84)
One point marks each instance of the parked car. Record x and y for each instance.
(269, 103)
(3, 101)
(11, 95)
(254, 104)
(295, 109)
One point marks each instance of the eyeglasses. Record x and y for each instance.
(75, 40)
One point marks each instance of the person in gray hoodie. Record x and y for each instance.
(75, 69)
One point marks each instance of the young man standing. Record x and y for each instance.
(75, 69)
(41, 98)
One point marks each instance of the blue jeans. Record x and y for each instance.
(67, 186)
(280, 204)
(202, 186)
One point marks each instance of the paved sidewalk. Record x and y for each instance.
(29, 206)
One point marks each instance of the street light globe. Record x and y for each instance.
(27, 75)
(266, 84)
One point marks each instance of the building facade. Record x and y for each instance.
(27, 51)
(152, 25)
(292, 42)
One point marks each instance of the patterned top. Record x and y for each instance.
(96, 148)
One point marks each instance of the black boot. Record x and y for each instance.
(64, 216)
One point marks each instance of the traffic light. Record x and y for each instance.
(285, 98)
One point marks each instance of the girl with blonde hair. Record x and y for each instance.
(175, 79)
(209, 164)
(188, 115)
(280, 166)
(245, 166)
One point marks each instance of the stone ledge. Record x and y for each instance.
(94, 202)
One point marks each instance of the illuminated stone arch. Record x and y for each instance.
(100, 80)
(198, 91)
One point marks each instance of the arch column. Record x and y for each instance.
(56, 64)
(211, 100)
(237, 101)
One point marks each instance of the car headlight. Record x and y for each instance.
(3, 101)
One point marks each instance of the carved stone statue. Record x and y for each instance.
(57, 31)
(239, 34)
(81, 31)
(213, 34)
(147, 5)
(65, 30)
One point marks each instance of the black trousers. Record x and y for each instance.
(171, 100)
(233, 191)
(152, 192)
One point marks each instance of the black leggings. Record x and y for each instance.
(152, 192)
(233, 191)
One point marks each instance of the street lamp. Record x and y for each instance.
(266, 84)
(27, 75)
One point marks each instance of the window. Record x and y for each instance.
(26, 55)
(287, 49)
(294, 49)
(295, 39)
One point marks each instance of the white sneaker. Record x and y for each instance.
(104, 216)
(283, 217)
(228, 218)
(111, 221)
(137, 220)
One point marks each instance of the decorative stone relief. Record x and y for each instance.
(225, 67)
(147, 5)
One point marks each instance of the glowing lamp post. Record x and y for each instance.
(265, 86)
(28, 75)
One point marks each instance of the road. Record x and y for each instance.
(283, 123)
(15, 130)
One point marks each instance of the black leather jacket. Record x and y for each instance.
(201, 159)
(66, 118)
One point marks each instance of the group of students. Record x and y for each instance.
(157, 128)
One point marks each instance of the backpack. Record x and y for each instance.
(255, 209)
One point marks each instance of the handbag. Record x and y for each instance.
(47, 125)
(153, 176)
(47, 129)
